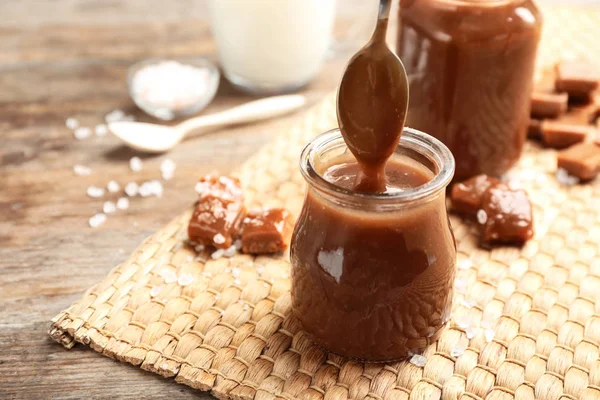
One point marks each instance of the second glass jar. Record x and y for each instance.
(470, 65)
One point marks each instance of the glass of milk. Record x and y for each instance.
(271, 46)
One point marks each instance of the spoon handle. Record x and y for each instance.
(253, 111)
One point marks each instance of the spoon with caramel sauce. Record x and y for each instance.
(371, 105)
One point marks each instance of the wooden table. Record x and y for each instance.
(69, 59)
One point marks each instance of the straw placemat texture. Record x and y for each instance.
(526, 321)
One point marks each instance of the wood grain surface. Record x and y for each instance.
(69, 59)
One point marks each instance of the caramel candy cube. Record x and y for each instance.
(581, 160)
(266, 231)
(559, 136)
(577, 78)
(219, 212)
(216, 221)
(507, 215)
(548, 105)
(467, 196)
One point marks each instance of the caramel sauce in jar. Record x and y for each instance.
(372, 273)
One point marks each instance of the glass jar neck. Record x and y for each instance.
(413, 144)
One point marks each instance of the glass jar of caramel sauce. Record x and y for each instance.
(470, 65)
(372, 273)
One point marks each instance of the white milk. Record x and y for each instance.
(272, 45)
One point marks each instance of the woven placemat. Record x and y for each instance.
(526, 321)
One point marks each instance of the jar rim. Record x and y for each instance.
(420, 142)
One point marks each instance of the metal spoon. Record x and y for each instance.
(373, 97)
(154, 138)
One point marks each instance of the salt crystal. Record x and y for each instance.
(95, 191)
(217, 296)
(418, 360)
(135, 164)
(185, 279)
(189, 259)
(82, 132)
(131, 189)
(457, 351)
(155, 291)
(167, 169)
(114, 116)
(238, 244)
(489, 335)
(246, 307)
(471, 332)
(237, 282)
(217, 254)
(81, 170)
(222, 312)
(465, 264)
(113, 186)
(199, 248)
(460, 285)
(465, 303)
(101, 130)
(71, 123)
(97, 220)
(151, 188)
(235, 272)
(481, 217)
(169, 276)
(219, 239)
(230, 251)
(563, 177)
(109, 207)
(260, 270)
(123, 203)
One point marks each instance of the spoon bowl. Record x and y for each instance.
(373, 97)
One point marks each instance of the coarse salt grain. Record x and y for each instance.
(113, 186)
(95, 191)
(109, 207)
(219, 239)
(167, 169)
(563, 177)
(97, 220)
(169, 276)
(185, 279)
(235, 272)
(471, 332)
(101, 130)
(114, 116)
(237, 282)
(199, 248)
(481, 217)
(131, 189)
(135, 164)
(418, 360)
(82, 132)
(457, 351)
(217, 254)
(489, 335)
(123, 203)
(465, 264)
(81, 170)
(246, 307)
(230, 251)
(155, 291)
(71, 123)
(151, 188)
(460, 285)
